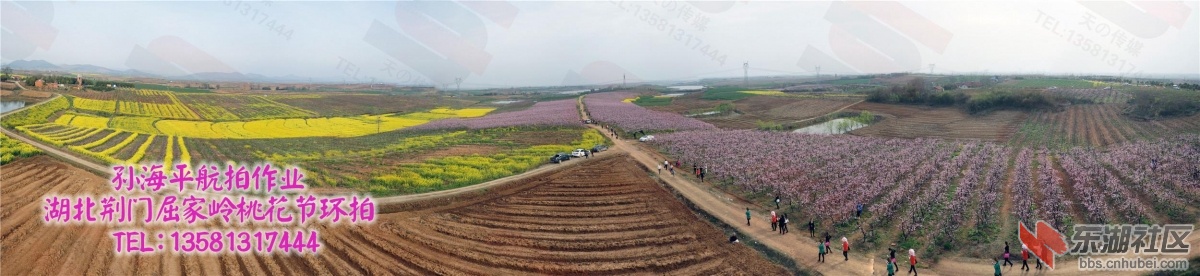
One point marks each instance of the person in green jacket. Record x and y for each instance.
(996, 266)
(891, 268)
(820, 252)
(747, 216)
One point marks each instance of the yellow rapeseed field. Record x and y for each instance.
(141, 150)
(274, 128)
(765, 92)
(136, 124)
(94, 105)
(87, 121)
(456, 171)
(172, 111)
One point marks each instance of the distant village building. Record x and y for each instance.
(39, 84)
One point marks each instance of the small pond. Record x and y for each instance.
(835, 126)
(686, 87)
(703, 114)
(573, 92)
(10, 106)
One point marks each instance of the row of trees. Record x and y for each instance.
(1024, 100)
(5, 73)
(915, 91)
(1158, 103)
(30, 81)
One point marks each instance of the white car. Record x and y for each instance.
(579, 153)
(646, 138)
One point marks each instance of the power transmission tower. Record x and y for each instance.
(622, 80)
(931, 68)
(746, 74)
(818, 74)
(457, 84)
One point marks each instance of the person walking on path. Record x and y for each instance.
(659, 169)
(784, 222)
(858, 210)
(812, 228)
(821, 252)
(845, 249)
(1024, 257)
(827, 237)
(892, 253)
(672, 169)
(912, 261)
(776, 202)
(1006, 255)
(747, 216)
(891, 268)
(996, 266)
(774, 221)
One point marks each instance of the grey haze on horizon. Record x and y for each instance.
(502, 44)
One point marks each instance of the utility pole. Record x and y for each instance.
(746, 74)
(622, 80)
(818, 74)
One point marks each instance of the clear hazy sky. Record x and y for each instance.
(496, 44)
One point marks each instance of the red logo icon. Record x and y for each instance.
(1045, 244)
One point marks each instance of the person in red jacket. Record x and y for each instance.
(912, 261)
(774, 221)
(845, 249)
(1024, 257)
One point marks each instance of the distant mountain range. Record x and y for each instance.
(42, 65)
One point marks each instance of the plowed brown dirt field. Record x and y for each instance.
(910, 121)
(603, 217)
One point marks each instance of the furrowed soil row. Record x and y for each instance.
(604, 217)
